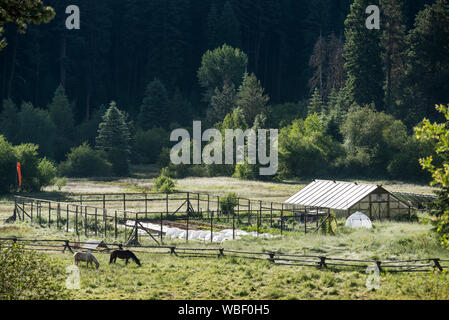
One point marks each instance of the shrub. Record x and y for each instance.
(228, 203)
(28, 275)
(148, 145)
(7, 166)
(61, 182)
(36, 173)
(164, 183)
(83, 161)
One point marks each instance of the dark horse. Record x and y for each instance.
(123, 254)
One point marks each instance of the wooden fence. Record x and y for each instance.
(122, 215)
(321, 262)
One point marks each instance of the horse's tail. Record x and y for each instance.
(133, 256)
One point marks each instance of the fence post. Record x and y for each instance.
(146, 207)
(105, 220)
(104, 202)
(271, 214)
(233, 225)
(161, 225)
(305, 222)
(76, 220)
(31, 209)
(218, 205)
(137, 229)
(282, 217)
(124, 202)
(124, 221)
(187, 231)
(211, 226)
(115, 225)
(208, 208)
(85, 221)
(198, 204)
(67, 217)
(49, 214)
(96, 221)
(249, 212)
(58, 214)
(166, 203)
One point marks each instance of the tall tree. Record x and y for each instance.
(114, 138)
(251, 98)
(393, 43)
(222, 103)
(155, 104)
(363, 56)
(427, 75)
(22, 12)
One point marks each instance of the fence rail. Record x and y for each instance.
(319, 261)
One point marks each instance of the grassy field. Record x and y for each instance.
(170, 277)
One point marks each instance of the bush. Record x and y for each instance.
(228, 203)
(28, 275)
(7, 166)
(83, 161)
(36, 173)
(148, 145)
(164, 184)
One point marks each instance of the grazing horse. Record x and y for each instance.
(85, 256)
(123, 254)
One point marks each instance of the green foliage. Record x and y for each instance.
(7, 166)
(164, 184)
(114, 138)
(36, 173)
(154, 109)
(61, 182)
(62, 116)
(426, 79)
(281, 115)
(362, 54)
(22, 12)
(228, 203)
(305, 150)
(316, 104)
(251, 98)
(222, 103)
(329, 224)
(27, 275)
(36, 126)
(439, 134)
(224, 64)
(147, 145)
(84, 161)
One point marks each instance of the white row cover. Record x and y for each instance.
(336, 195)
(202, 235)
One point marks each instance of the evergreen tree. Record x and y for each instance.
(316, 103)
(114, 138)
(229, 27)
(393, 43)
(61, 115)
(363, 56)
(427, 75)
(222, 103)
(251, 97)
(155, 104)
(212, 32)
(9, 121)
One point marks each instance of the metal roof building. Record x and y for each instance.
(349, 197)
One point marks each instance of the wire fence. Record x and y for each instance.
(319, 261)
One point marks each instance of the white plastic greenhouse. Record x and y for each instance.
(358, 220)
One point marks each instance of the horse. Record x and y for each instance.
(123, 254)
(85, 256)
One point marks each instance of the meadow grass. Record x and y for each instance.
(171, 277)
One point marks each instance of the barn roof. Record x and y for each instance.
(336, 195)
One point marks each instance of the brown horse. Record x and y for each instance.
(123, 254)
(85, 256)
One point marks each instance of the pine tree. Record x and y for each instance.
(393, 43)
(155, 104)
(222, 103)
(316, 103)
(251, 97)
(427, 75)
(229, 27)
(114, 138)
(363, 56)
(61, 115)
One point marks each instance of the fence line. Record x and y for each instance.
(321, 262)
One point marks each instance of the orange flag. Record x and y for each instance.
(19, 174)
